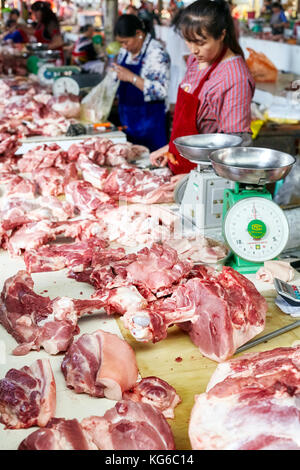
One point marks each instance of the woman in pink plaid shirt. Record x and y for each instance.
(217, 89)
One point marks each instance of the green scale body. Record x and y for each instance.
(256, 227)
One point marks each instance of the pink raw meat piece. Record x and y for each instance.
(100, 364)
(87, 199)
(252, 403)
(51, 181)
(91, 172)
(76, 256)
(59, 434)
(36, 321)
(94, 148)
(156, 392)
(43, 156)
(231, 311)
(129, 182)
(28, 396)
(130, 426)
(220, 311)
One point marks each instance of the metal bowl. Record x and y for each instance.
(251, 165)
(37, 46)
(198, 147)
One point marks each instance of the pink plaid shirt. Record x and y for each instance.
(225, 97)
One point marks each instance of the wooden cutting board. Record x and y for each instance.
(178, 361)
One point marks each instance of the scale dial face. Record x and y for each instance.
(45, 75)
(256, 229)
(65, 85)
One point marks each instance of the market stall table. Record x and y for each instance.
(175, 359)
(285, 57)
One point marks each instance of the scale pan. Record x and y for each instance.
(198, 147)
(251, 165)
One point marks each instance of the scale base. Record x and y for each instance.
(243, 267)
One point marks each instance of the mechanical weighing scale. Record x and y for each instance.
(200, 193)
(67, 78)
(255, 228)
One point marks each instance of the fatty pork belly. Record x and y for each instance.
(28, 396)
(251, 403)
(220, 311)
(36, 321)
(130, 426)
(100, 364)
(59, 434)
(126, 426)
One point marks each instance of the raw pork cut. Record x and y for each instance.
(100, 364)
(76, 256)
(127, 426)
(137, 224)
(252, 403)
(135, 185)
(59, 434)
(156, 392)
(28, 396)
(36, 321)
(155, 268)
(91, 172)
(220, 311)
(66, 105)
(87, 199)
(52, 181)
(130, 426)
(43, 156)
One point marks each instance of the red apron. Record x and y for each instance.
(185, 120)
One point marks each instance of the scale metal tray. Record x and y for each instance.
(252, 165)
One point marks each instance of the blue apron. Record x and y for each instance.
(145, 121)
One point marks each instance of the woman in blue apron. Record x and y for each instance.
(143, 71)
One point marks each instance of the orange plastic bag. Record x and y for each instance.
(261, 68)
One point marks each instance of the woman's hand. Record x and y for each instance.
(159, 157)
(124, 74)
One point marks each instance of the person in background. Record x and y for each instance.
(12, 32)
(178, 52)
(15, 15)
(149, 17)
(266, 8)
(84, 50)
(143, 70)
(278, 20)
(216, 92)
(67, 12)
(46, 29)
(235, 20)
(131, 10)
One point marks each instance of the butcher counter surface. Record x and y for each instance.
(175, 359)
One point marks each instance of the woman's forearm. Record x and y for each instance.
(138, 82)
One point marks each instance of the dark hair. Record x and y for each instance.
(209, 17)
(10, 23)
(48, 19)
(15, 11)
(128, 25)
(277, 5)
(85, 28)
